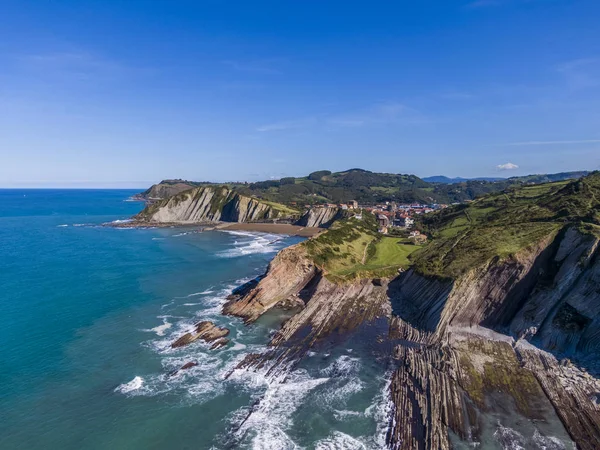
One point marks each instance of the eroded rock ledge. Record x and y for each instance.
(501, 331)
(207, 331)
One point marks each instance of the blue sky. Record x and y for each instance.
(125, 93)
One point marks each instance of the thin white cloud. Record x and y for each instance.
(379, 114)
(388, 113)
(286, 125)
(75, 66)
(581, 73)
(457, 95)
(483, 3)
(261, 66)
(580, 142)
(507, 166)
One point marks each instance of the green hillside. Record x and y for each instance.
(352, 248)
(361, 185)
(501, 224)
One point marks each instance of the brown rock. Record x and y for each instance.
(205, 330)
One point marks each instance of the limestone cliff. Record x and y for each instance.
(322, 217)
(212, 204)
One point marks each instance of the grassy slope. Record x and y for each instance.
(353, 249)
(502, 224)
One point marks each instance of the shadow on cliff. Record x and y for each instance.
(419, 300)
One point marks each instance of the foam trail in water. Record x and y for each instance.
(266, 425)
(259, 243)
(161, 329)
(133, 385)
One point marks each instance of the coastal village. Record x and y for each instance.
(392, 218)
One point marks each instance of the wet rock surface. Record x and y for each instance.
(520, 335)
(205, 330)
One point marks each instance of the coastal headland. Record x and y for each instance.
(498, 310)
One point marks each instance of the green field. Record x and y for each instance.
(354, 249)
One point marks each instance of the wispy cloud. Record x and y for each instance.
(74, 66)
(387, 113)
(580, 142)
(287, 125)
(457, 95)
(507, 166)
(379, 114)
(483, 4)
(581, 73)
(259, 66)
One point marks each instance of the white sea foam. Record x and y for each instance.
(547, 442)
(134, 385)
(62, 226)
(266, 425)
(122, 221)
(509, 439)
(340, 441)
(381, 410)
(205, 292)
(161, 329)
(258, 243)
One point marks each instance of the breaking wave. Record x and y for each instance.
(252, 243)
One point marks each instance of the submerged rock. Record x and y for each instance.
(186, 366)
(205, 330)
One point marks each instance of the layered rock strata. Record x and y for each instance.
(209, 204)
(206, 331)
(502, 329)
(322, 217)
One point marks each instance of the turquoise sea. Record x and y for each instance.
(88, 313)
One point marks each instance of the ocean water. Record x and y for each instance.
(88, 313)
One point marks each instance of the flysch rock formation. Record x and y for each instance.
(209, 204)
(525, 328)
(321, 217)
(205, 330)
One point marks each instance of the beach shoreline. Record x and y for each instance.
(261, 227)
(275, 228)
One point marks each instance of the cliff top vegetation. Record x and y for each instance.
(502, 224)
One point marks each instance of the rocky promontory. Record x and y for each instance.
(212, 204)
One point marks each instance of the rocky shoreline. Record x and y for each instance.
(458, 346)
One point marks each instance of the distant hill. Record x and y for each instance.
(365, 187)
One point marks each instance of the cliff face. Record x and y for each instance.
(547, 294)
(496, 335)
(544, 304)
(320, 217)
(209, 204)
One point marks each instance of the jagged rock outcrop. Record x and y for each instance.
(205, 330)
(288, 273)
(210, 204)
(322, 217)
